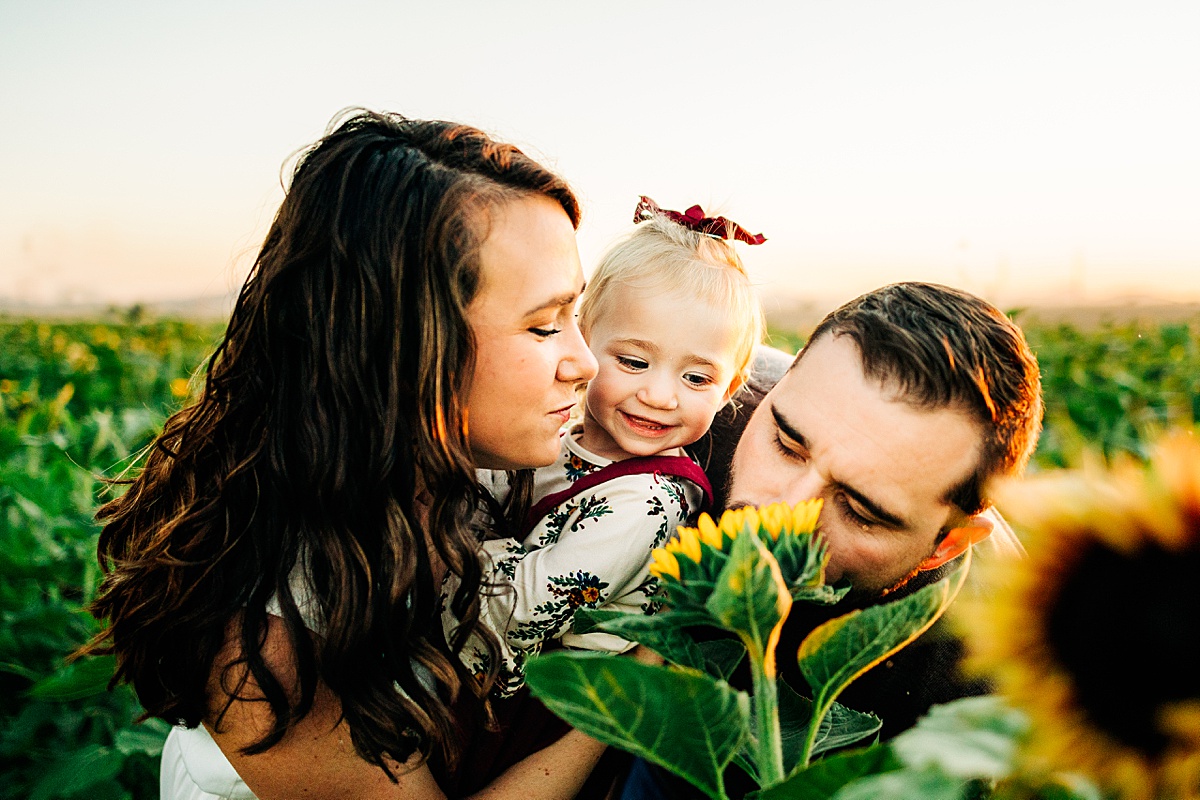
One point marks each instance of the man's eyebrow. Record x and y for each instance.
(874, 509)
(789, 430)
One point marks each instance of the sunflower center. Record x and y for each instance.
(1126, 628)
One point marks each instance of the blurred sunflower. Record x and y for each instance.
(1097, 633)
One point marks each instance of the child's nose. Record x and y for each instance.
(658, 393)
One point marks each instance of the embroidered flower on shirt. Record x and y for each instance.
(591, 508)
(675, 491)
(576, 468)
(571, 591)
(507, 564)
(580, 588)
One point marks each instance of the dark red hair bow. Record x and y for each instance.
(695, 220)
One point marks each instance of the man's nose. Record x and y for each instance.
(799, 482)
(658, 391)
(578, 364)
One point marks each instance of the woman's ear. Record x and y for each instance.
(956, 541)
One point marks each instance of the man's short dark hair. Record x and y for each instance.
(939, 347)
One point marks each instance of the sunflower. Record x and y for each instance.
(1097, 633)
(786, 530)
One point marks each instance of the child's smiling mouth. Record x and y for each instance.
(643, 425)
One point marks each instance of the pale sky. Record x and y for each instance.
(1012, 148)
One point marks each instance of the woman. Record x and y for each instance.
(273, 573)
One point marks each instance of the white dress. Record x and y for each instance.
(192, 765)
(194, 768)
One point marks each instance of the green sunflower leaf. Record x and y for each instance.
(975, 737)
(722, 656)
(823, 779)
(666, 634)
(611, 620)
(840, 727)
(658, 632)
(824, 594)
(927, 784)
(840, 650)
(78, 770)
(146, 737)
(680, 719)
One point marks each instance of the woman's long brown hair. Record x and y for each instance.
(335, 396)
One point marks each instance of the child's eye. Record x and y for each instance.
(630, 362)
(697, 379)
(545, 333)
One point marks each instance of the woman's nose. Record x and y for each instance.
(577, 364)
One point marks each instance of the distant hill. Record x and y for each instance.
(803, 316)
(197, 308)
(783, 313)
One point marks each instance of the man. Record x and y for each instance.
(902, 406)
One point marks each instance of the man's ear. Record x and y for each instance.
(956, 542)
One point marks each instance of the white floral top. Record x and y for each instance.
(591, 550)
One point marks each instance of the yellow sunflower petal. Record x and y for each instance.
(663, 563)
(731, 522)
(775, 518)
(750, 520)
(805, 515)
(688, 543)
(710, 534)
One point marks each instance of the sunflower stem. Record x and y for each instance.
(821, 706)
(769, 758)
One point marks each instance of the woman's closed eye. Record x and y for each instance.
(545, 333)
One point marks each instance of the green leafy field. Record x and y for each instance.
(77, 401)
(80, 400)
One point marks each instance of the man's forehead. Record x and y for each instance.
(905, 458)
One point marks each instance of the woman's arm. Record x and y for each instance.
(316, 759)
(556, 772)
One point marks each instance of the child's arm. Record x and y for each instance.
(592, 549)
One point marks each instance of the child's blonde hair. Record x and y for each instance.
(661, 254)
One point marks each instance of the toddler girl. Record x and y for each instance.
(672, 320)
